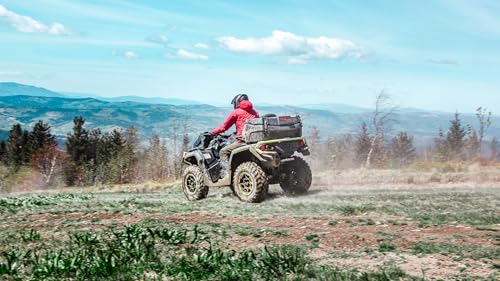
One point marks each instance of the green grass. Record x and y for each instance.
(314, 239)
(457, 251)
(135, 252)
(386, 246)
(350, 210)
(477, 207)
(12, 204)
(82, 237)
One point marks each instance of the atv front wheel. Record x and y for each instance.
(192, 183)
(298, 176)
(250, 183)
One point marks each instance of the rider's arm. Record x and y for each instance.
(231, 119)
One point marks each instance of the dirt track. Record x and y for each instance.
(341, 237)
(347, 227)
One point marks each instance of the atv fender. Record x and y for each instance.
(193, 158)
(249, 148)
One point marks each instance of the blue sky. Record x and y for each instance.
(441, 54)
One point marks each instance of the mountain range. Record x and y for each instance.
(26, 104)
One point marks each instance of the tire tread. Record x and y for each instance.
(261, 182)
(198, 174)
(305, 177)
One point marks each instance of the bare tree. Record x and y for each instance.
(175, 131)
(383, 115)
(363, 144)
(178, 164)
(156, 165)
(484, 119)
(340, 151)
(47, 161)
(314, 137)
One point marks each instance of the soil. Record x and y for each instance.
(351, 241)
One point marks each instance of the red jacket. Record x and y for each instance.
(238, 116)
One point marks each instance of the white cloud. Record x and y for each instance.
(201, 46)
(443, 61)
(189, 55)
(126, 54)
(130, 55)
(159, 39)
(299, 49)
(296, 60)
(29, 25)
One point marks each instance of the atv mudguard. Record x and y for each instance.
(193, 158)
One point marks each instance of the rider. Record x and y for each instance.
(243, 110)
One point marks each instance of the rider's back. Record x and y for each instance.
(238, 116)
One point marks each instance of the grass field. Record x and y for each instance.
(333, 233)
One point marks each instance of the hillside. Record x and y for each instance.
(27, 104)
(159, 118)
(11, 88)
(16, 89)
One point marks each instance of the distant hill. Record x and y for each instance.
(150, 100)
(337, 107)
(59, 112)
(160, 118)
(27, 104)
(16, 89)
(11, 88)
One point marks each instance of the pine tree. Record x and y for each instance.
(77, 148)
(118, 163)
(77, 144)
(442, 150)
(116, 140)
(472, 145)
(455, 139)
(403, 150)
(130, 155)
(94, 141)
(363, 144)
(3, 151)
(40, 136)
(16, 143)
(28, 150)
(96, 165)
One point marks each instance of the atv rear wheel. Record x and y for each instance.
(193, 184)
(298, 176)
(250, 183)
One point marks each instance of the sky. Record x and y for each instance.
(436, 54)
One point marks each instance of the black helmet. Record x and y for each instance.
(237, 99)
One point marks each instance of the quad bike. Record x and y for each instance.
(269, 154)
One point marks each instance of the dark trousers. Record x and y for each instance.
(225, 152)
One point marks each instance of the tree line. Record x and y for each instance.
(374, 147)
(91, 157)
